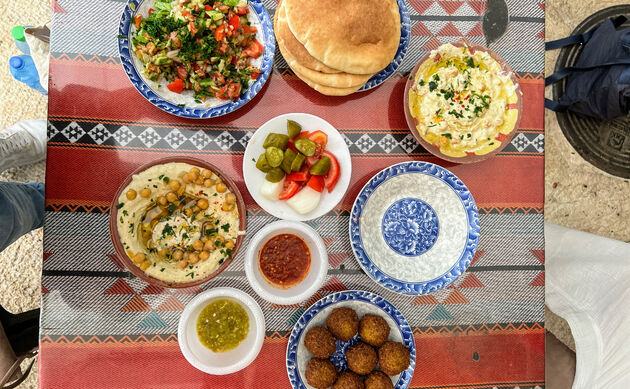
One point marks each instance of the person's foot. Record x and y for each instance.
(23, 143)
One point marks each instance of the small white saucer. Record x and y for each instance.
(230, 361)
(313, 280)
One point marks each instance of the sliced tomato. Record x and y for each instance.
(176, 86)
(316, 183)
(137, 19)
(234, 21)
(320, 138)
(234, 90)
(242, 10)
(220, 33)
(222, 93)
(208, 7)
(291, 188)
(185, 13)
(331, 178)
(255, 74)
(303, 134)
(192, 28)
(250, 29)
(253, 50)
(301, 176)
(150, 11)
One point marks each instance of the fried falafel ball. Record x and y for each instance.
(393, 357)
(320, 342)
(343, 323)
(373, 330)
(361, 358)
(320, 373)
(348, 380)
(378, 380)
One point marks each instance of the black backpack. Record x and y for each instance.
(598, 85)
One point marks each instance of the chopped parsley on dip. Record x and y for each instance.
(461, 101)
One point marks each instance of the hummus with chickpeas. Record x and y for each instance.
(461, 100)
(177, 222)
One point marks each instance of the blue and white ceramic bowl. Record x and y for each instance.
(414, 227)
(362, 302)
(184, 104)
(405, 33)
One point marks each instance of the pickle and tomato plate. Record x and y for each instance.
(297, 167)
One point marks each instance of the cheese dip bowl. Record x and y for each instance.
(462, 102)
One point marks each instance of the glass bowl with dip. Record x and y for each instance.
(463, 102)
(286, 262)
(177, 222)
(221, 331)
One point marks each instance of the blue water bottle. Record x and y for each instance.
(23, 69)
(17, 33)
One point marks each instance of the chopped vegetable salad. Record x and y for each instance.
(204, 46)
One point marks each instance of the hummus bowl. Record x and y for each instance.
(177, 222)
(462, 102)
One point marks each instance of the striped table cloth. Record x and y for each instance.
(102, 327)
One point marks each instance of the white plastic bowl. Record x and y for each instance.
(230, 361)
(316, 274)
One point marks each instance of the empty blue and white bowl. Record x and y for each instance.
(414, 227)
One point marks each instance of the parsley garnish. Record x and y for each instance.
(120, 205)
(131, 227)
(167, 230)
(166, 180)
(226, 227)
(432, 86)
(470, 62)
(171, 208)
(125, 212)
(447, 135)
(421, 83)
(162, 269)
(211, 231)
(191, 274)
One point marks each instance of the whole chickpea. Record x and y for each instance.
(131, 194)
(193, 258)
(162, 200)
(221, 187)
(204, 255)
(198, 245)
(229, 244)
(171, 197)
(208, 182)
(174, 185)
(139, 258)
(146, 192)
(202, 204)
(178, 255)
(182, 264)
(199, 180)
(230, 198)
(205, 173)
(227, 207)
(145, 265)
(209, 245)
(195, 171)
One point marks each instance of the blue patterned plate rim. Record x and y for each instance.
(188, 112)
(350, 295)
(458, 268)
(405, 33)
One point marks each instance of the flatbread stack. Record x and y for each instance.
(337, 46)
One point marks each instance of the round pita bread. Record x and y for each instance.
(354, 36)
(327, 90)
(294, 47)
(337, 80)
